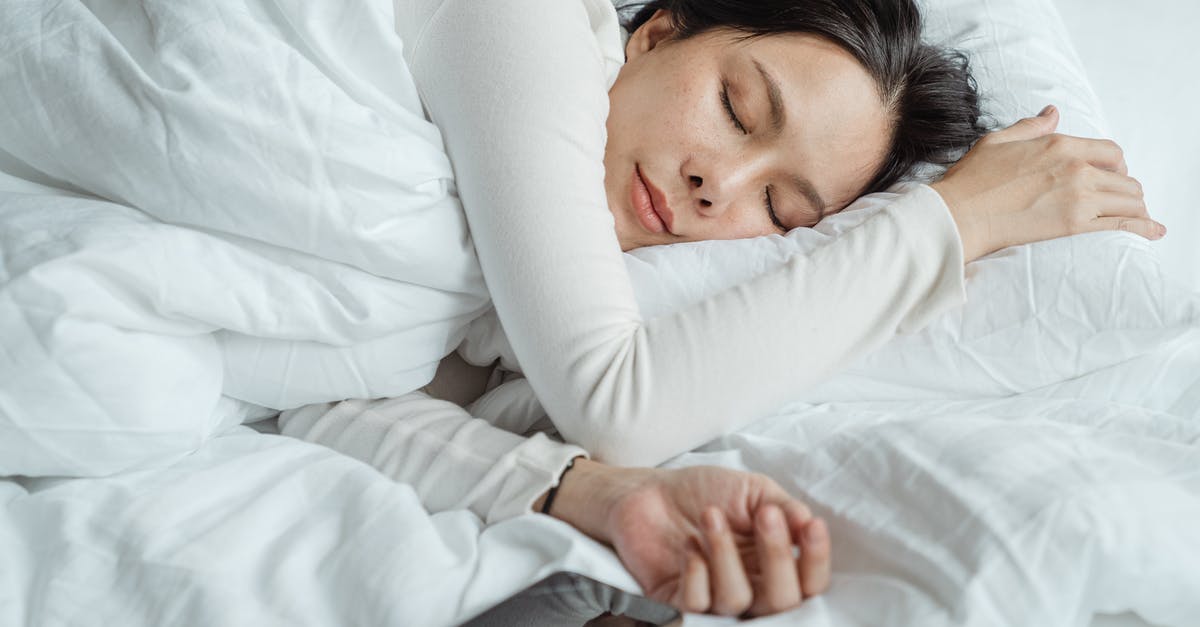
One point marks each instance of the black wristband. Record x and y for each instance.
(550, 495)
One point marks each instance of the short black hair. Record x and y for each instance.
(928, 90)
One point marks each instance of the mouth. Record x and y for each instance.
(651, 205)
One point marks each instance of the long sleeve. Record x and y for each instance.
(517, 88)
(453, 461)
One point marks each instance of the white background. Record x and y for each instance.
(1144, 60)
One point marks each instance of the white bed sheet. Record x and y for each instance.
(943, 511)
(257, 529)
(1033, 510)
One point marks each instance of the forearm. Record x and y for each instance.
(452, 460)
(523, 116)
(677, 381)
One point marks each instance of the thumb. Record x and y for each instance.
(1041, 125)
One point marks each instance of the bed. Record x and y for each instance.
(1032, 459)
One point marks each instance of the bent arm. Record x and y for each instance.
(522, 109)
(452, 460)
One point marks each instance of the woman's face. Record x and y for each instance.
(713, 137)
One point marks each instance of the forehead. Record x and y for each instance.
(838, 128)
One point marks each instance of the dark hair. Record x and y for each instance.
(928, 90)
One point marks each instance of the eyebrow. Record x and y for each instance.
(778, 121)
(775, 96)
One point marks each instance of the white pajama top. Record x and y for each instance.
(519, 91)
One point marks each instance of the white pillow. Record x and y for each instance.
(1022, 58)
(1035, 315)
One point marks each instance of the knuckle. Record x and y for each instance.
(1070, 172)
(1080, 170)
(734, 603)
(777, 547)
(816, 588)
(782, 602)
(1057, 142)
(1085, 178)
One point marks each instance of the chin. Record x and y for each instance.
(627, 244)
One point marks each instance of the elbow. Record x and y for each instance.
(619, 416)
(630, 442)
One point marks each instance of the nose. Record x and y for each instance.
(697, 183)
(716, 185)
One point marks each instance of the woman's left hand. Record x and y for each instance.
(703, 539)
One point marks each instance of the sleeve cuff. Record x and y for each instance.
(938, 250)
(538, 466)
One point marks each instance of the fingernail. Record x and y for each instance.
(712, 520)
(1047, 111)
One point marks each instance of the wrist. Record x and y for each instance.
(545, 502)
(589, 493)
(971, 232)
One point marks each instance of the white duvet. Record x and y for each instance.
(277, 205)
(199, 216)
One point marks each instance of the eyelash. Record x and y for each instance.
(741, 127)
(771, 210)
(729, 109)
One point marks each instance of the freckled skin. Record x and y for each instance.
(667, 117)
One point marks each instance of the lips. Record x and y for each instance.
(650, 204)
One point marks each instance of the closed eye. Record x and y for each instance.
(771, 211)
(729, 109)
(737, 123)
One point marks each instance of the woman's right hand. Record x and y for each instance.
(702, 539)
(1026, 184)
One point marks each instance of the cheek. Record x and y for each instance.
(738, 224)
(690, 109)
(666, 103)
(674, 101)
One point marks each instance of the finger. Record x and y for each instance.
(779, 583)
(797, 515)
(1118, 183)
(795, 512)
(1148, 229)
(730, 589)
(692, 595)
(1117, 205)
(815, 558)
(1102, 153)
(1041, 125)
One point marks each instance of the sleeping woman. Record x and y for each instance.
(713, 119)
